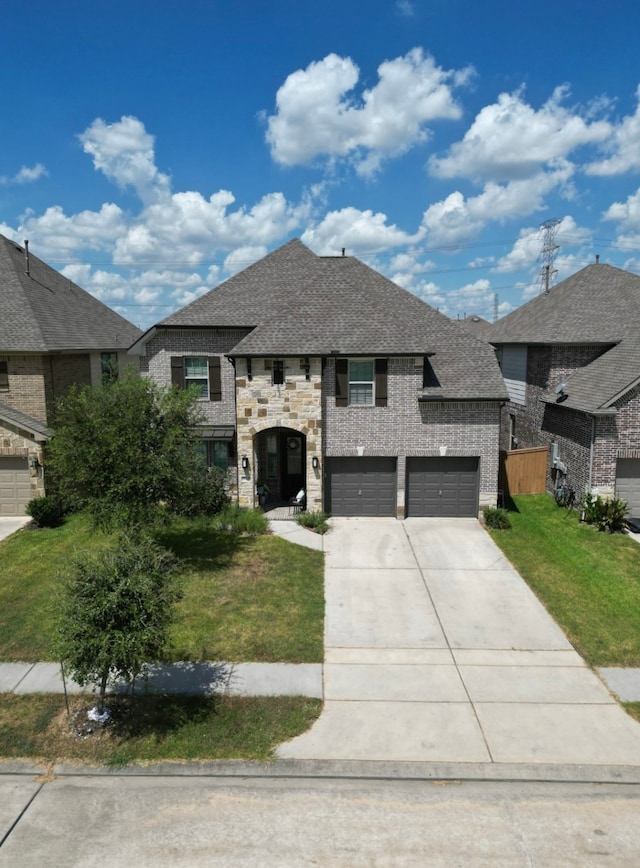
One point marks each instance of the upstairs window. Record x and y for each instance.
(203, 372)
(196, 373)
(361, 382)
(4, 376)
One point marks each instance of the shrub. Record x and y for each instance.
(497, 518)
(203, 494)
(606, 515)
(45, 511)
(316, 521)
(237, 520)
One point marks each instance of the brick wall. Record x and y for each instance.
(406, 428)
(196, 342)
(26, 385)
(60, 374)
(540, 424)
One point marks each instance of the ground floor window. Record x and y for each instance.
(216, 453)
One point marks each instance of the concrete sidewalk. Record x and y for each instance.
(437, 651)
(196, 679)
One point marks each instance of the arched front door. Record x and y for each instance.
(281, 458)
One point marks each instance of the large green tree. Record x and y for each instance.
(125, 449)
(115, 612)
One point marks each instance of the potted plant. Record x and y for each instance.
(262, 490)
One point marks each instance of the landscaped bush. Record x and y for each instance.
(204, 494)
(235, 519)
(316, 521)
(45, 511)
(496, 518)
(606, 515)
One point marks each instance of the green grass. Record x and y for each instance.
(245, 598)
(151, 729)
(589, 581)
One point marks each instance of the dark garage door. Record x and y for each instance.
(361, 486)
(628, 483)
(443, 487)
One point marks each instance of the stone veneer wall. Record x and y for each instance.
(295, 404)
(406, 428)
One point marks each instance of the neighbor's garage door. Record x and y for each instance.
(15, 486)
(628, 483)
(442, 487)
(361, 486)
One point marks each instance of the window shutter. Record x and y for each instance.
(381, 382)
(215, 382)
(177, 371)
(342, 382)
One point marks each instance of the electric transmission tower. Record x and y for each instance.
(549, 250)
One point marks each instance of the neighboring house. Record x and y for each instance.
(53, 335)
(475, 325)
(571, 362)
(319, 373)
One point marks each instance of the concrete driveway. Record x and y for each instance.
(10, 524)
(436, 650)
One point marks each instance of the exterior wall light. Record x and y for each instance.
(314, 462)
(245, 462)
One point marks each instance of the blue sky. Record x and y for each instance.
(150, 148)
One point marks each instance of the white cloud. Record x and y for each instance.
(357, 231)
(405, 8)
(58, 235)
(510, 140)
(26, 175)
(242, 257)
(124, 151)
(623, 147)
(456, 219)
(318, 116)
(627, 216)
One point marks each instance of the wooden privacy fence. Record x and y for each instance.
(523, 471)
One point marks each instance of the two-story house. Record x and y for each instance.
(53, 335)
(571, 362)
(319, 373)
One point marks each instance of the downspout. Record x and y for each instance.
(591, 451)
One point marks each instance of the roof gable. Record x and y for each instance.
(44, 311)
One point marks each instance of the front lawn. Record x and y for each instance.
(245, 598)
(153, 728)
(588, 580)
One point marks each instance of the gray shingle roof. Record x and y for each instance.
(43, 311)
(596, 386)
(22, 420)
(298, 303)
(597, 305)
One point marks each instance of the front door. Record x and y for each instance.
(292, 463)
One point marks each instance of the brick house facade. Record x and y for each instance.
(53, 335)
(577, 392)
(276, 401)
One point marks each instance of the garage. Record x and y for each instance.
(361, 486)
(442, 487)
(628, 483)
(15, 485)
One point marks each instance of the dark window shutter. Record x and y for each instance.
(177, 371)
(215, 383)
(342, 382)
(381, 382)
